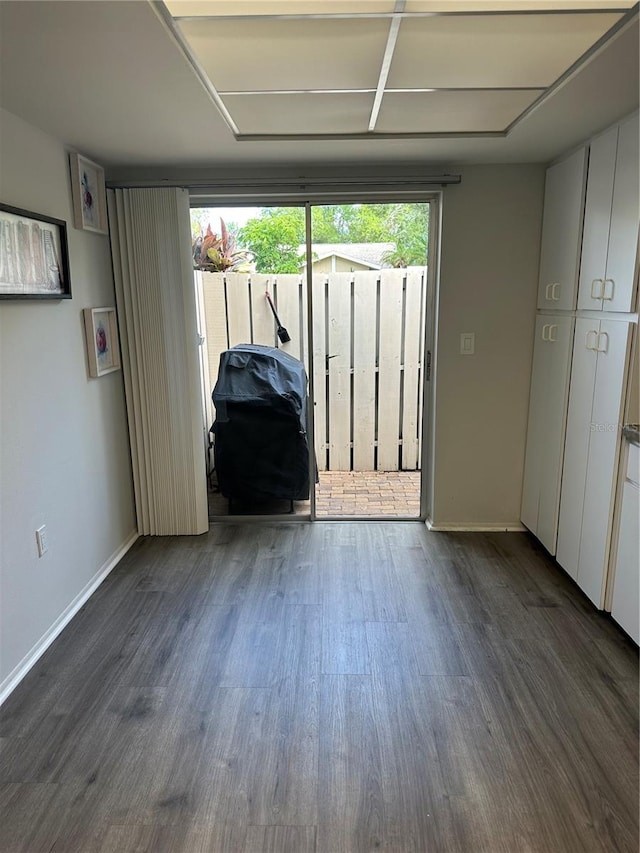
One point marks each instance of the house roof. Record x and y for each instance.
(369, 254)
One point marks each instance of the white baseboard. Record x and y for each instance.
(463, 527)
(18, 673)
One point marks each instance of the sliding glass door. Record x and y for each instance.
(351, 306)
(368, 303)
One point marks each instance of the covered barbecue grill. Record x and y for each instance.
(261, 449)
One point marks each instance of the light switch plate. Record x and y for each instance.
(467, 343)
(42, 540)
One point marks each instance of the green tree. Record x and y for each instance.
(409, 225)
(350, 223)
(275, 236)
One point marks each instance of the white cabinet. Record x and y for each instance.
(546, 430)
(588, 263)
(600, 355)
(625, 605)
(611, 218)
(562, 232)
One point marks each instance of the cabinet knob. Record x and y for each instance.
(591, 342)
(608, 289)
(551, 292)
(599, 347)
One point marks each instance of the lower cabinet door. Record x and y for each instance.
(602, 464)
(591, 451)
(576, 455)
(545, 433)
(560, 343)
(626, 583)
(535, 428)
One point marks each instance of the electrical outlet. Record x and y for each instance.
(42, 540)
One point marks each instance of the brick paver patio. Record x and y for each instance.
(392, 493)
(345, 493)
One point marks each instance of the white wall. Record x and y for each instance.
(488, 285)
(64, 453)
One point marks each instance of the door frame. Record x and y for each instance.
(430, 343)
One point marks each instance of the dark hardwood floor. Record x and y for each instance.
(332, 688)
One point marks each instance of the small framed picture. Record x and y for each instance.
(34, 258)
(89, 198)
(103, 346)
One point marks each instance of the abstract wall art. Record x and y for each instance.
(34, 257)
(103, 346)
(89, 199)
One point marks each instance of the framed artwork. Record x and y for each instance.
(89, 198)
(103, 347)
(34, 256)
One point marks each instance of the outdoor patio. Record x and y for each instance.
(393, 494)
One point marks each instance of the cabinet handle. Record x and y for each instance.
(608, 296)
(600, 289)
(553, 333)
(547, 292)
(593, 345)
(545, 332)
(554, 295)
(606, 342)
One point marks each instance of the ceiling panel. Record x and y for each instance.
(281, 114)
(513, 5)
(494, 50)
(451, 112)
(284, 54)
(190, 8)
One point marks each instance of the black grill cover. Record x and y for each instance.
(261, 448)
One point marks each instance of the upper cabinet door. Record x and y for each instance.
(611, 218)
(597, 219)
(561, 232)
(625, 218)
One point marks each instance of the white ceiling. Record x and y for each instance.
(322, 62)
(109, 79)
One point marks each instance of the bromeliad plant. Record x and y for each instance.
(213, 253)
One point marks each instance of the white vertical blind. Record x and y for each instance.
(151, 249)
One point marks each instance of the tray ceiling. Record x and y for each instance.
(379, 68)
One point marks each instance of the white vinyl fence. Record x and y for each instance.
(368, 334)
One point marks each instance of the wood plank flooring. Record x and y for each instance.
(327, 688)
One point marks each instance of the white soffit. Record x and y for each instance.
(312, 68)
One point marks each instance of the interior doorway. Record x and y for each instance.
(344, 290)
